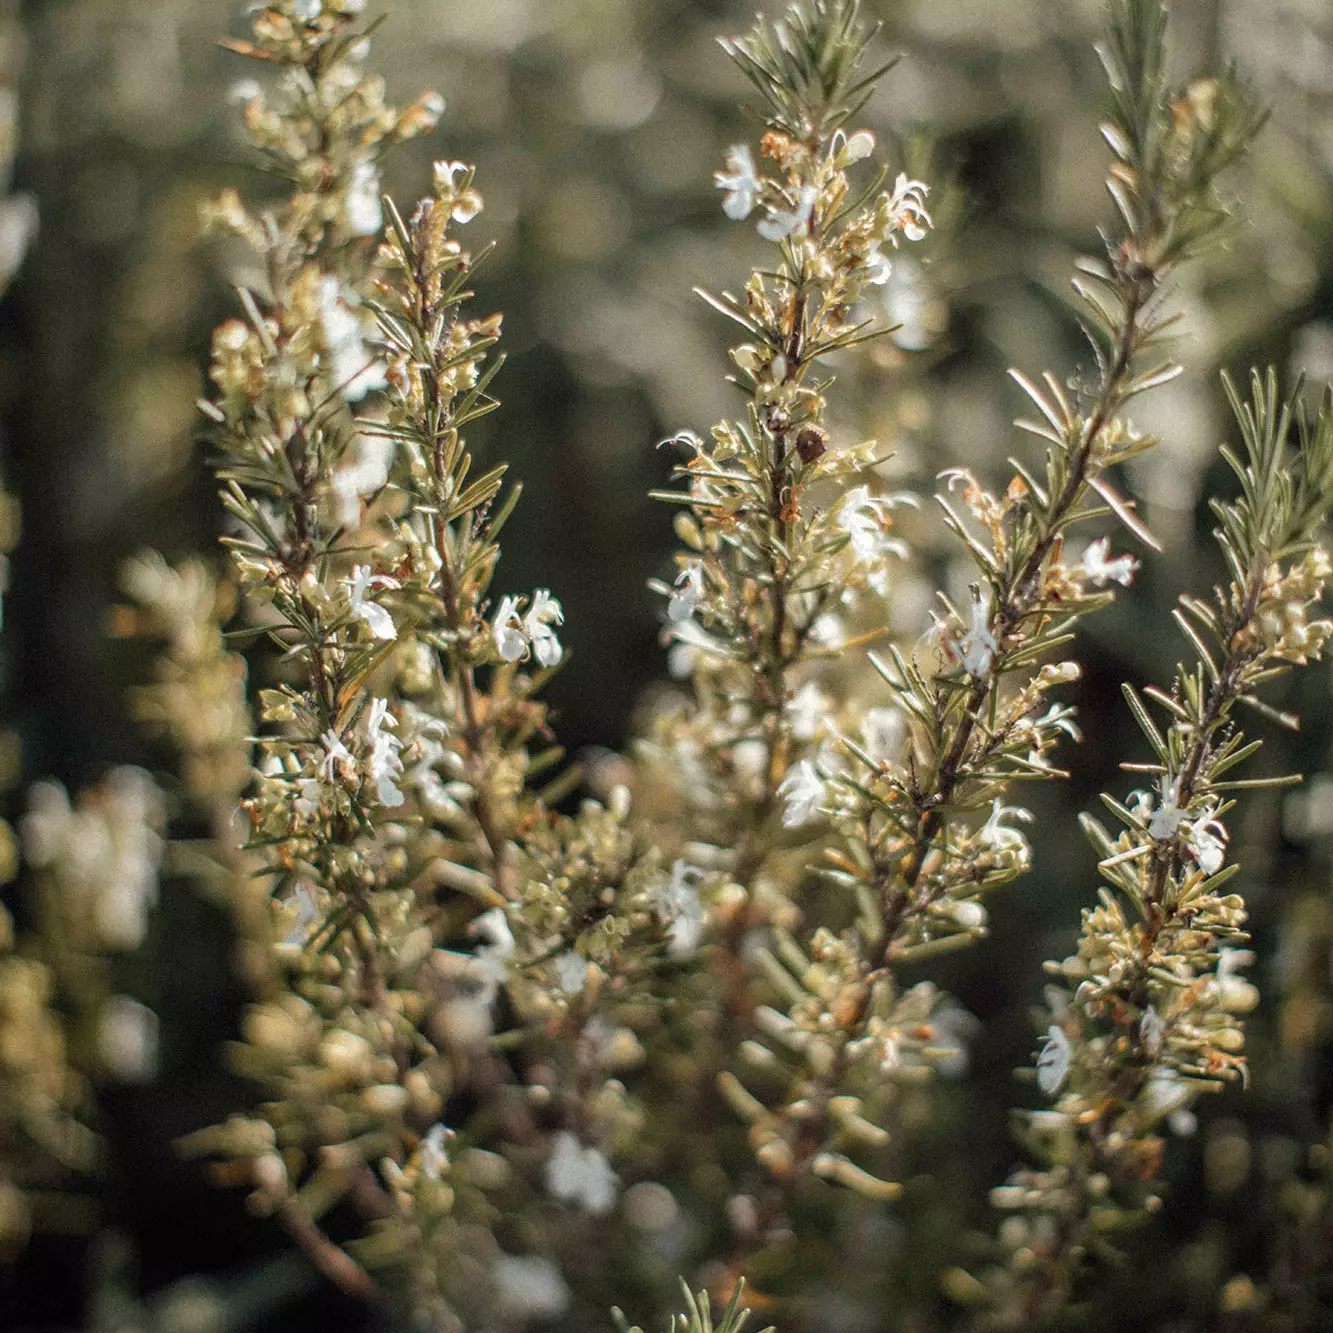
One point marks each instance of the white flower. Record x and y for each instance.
(689, 589)
(367, 473)
(1098, 570)
(692, 642)
(507, 631)
(492, 929)
(804, 791)
(307, 916)
(351, 368)
(680, 907)
(380, 621)
(365, 215)
(1059, 717)
(571, 971)
(1152, 1029)
(978, 644)
(1166, 819)
(434, 1158)
(740, 183)
(580, 1175)
(244, 91)
(827, 630)
(307, 10)
(544, 612)
(1000, 837)
(1164, 1093)
(878, 266)
(1207, 842)
(529, 1287)
(779, 224)
(808, 711)
(859, 146)
(309, 798)
(491, 957)
(907, 209)
(1053, 1060)
(1234, 993)
(337, 758)
(864, 517)
(386, 763)
(466, 203)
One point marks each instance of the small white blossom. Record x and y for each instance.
(808, 711)
(1053, 1060)
(740, 183)
(688, 590)
(434, 1157)
(907, 209)
(780, 224)
(366, 473)
(1152, 1029)
(1099, 570)
(579, 1175)
(1166, 1095)
(380, 621)
(863, 518)
(1166, 819)
(307, 918)
(496, 946)
(878, 266)
(337, 758)
(692, 642)
(386, 763)
(827, 631)
(860, 145)
(1207, 842)
(365, 214)
(680, 907)
(243, 92)
(910, 306)
(804, 791)
(1234, 993)
(529, 1287)
(351, 367)
(544, 612)
(507, 631)
(466, 202)
(999, 836)
(307, 10)
(978, 645)
(571, 971)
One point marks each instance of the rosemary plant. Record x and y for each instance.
(1147, 1014)
(971, 710)
(439, 937)
(490, 1024)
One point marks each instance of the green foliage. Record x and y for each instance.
(697, 1316)
(807, 66)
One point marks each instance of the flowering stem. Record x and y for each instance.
(1021, 597)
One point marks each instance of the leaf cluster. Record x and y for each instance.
(807, 66)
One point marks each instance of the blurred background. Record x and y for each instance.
(596, 126)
